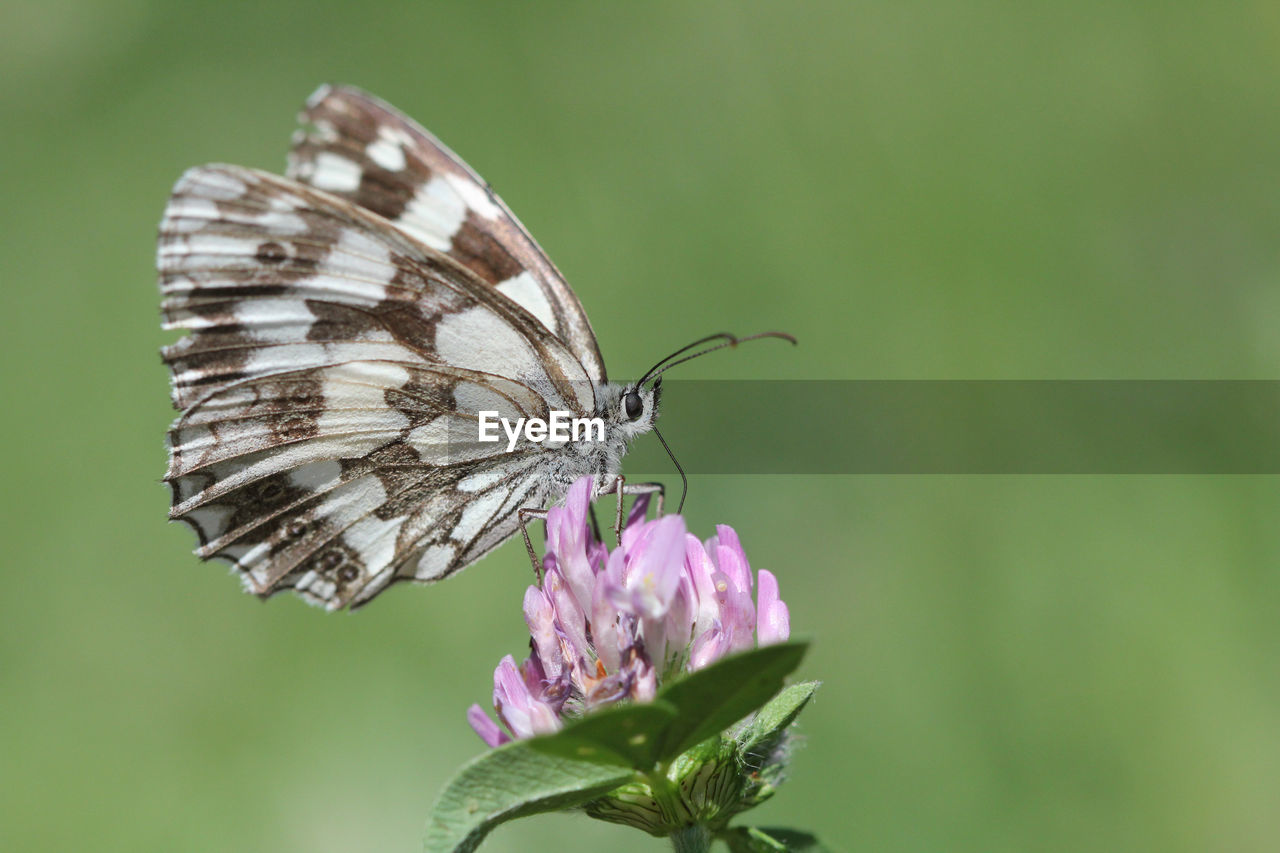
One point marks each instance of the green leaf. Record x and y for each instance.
(621, 736)
(774, 718)
(512, 781)
(602, 750)
(753, 839)
(710, 700)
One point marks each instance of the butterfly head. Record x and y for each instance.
(630, 409)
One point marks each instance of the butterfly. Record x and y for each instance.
(347, 324)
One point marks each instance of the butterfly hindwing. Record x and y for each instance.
(354, 145)
(384, 482)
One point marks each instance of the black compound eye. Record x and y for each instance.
(633, 405)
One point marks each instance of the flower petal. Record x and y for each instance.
(605, 628)
(570, 619)
(709, 647)
(737, 610)
(773, 619)
(635, 521)
(484, 725)
(568, 537)
(699, 568)
(726, 539)
(540, 616)
(653, 574)
(680, 617)
(524, 714)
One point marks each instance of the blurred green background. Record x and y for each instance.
(915, 189)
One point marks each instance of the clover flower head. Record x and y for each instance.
(608, 626)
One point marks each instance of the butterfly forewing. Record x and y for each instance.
(330, 385)
(270, 275)
(354, 145)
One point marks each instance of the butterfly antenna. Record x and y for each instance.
(732, 341)
(684, 481)
(718, 336)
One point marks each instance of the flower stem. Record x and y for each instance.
(691, 839)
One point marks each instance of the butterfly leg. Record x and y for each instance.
(660, 490)
(522, 515)
(620, 488)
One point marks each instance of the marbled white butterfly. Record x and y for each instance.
(347, 324)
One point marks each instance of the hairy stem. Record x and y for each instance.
(691, 839)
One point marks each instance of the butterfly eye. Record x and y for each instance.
(633, 405)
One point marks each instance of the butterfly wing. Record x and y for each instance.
(330, 384)
(377, 478)
(362, 149)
